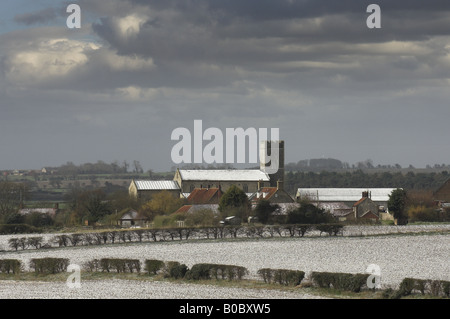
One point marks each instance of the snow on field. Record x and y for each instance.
(133, 289)
(418, 256)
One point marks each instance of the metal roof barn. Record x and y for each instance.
(156, 185)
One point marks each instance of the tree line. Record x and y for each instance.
(361, 179)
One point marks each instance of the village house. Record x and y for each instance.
(205, 196)
(442, 194)
(272, 194)
(365, 208)
(130, 218)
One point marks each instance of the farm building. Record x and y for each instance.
(246, 179)
(130, 217)
(146, 189)
(348, 196)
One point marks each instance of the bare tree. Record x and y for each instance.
(12, 196)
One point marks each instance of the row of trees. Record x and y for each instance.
(410, 180)
(320, 164)
(100, 167)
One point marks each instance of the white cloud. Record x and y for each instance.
(47, 60)
(129, 26)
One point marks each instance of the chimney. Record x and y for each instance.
(365, 194)
(279, 184)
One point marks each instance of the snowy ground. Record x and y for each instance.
(418, 256)
(132, 289)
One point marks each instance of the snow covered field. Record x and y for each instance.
(418, 256)
(132, 289)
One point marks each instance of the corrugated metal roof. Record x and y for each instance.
(344, 194)
(156, 185)
(224, 175)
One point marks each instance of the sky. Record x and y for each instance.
(116, 88)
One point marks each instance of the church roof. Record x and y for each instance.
(224, 175)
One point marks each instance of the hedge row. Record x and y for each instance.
(170, 269)
(206, 271)
(182, 233)
(49, 265)
(431, 287)
(10, 266)
(340, 281)
(113, 264)
(282, 276)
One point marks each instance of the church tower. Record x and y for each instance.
(271, 155)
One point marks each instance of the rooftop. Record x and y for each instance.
(204, 196)
(156, 185)
(224, 175)
(344, 194)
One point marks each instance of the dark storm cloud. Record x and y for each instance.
(311, 68)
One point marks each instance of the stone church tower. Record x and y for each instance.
(268, 150)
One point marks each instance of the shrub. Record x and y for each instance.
(92, 265)
(35, 242)
(152, 266)
(49, 265)
(10, 266)
(340, 281)
(446, 288)
(330, 229)
(282, 276)
(433, 287)
(174, 269)
(407, 286)
(120, 265)
(218, 271)
(199, 272)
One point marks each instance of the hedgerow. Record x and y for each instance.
(431, 287)
(282, 276)
(204, 271)
(340, 281)
(10, 266)
(163, 234)
(49, 265)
